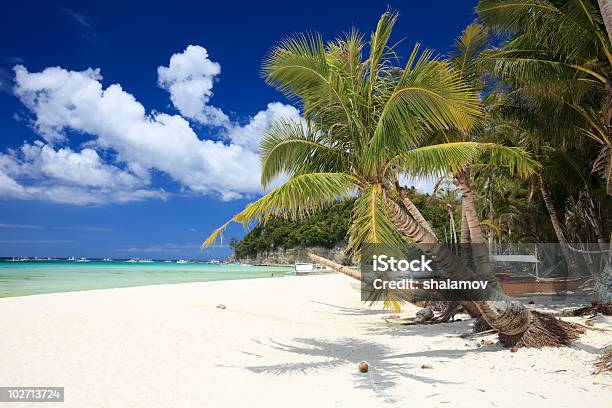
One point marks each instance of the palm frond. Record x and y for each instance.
(298, 197)
(467, 50)
(378, 44)
(435, 161)
(370, 223)
(294, 148)
(428, 96)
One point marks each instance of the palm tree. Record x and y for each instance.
(558, 48)
(364, 120)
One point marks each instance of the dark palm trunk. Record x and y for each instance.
(465, 229)
(554, 219)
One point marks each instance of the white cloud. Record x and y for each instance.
(189, 78)
(64, 101)
(250, 134)
(69, 100)
(10, 188)
(68, 177)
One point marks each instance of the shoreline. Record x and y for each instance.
(275, 338)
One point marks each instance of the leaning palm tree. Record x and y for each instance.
(364, 120)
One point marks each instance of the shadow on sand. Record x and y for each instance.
(386, 368)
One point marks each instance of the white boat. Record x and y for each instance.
(182, 261)
(305, 268)
(72, 258)
(107, 260)
(82, 260)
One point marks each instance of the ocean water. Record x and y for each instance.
(31, 278)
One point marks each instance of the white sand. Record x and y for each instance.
(290, 342)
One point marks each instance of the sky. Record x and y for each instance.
(131, 129)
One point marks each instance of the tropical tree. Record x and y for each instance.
(560, 56)
(364, 120)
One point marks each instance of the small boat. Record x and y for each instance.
(82, 260)
(182, 261)
(529, 284)
(107, 260)
(305, 268)
(72, 258)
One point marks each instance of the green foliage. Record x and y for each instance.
(325, 228)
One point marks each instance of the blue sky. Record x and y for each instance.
(117, 139)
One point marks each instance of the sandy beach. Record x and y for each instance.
(279, 342)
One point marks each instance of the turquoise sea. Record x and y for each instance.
(31, 278)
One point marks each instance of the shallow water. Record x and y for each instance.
(30, 278)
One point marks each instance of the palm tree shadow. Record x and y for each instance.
(353, 311)
(384, 372)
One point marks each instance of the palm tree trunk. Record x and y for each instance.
(465, 229)
(605, 6)
(453, 227)
(596, 221)
(471, 216)
(340, 268)
(478, 243)
(550, 207)
(414, 211)
(501, 312)
(554, 219)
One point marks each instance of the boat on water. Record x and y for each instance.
(529, 284)
(107, 260)
(182, 261)
(137, 260)
(305, 268)
(81, 260)
(72, 258)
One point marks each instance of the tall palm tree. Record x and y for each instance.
(364, 120)
(559, 48)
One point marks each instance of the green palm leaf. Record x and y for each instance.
(290, 148)
(429, 95)
(448, 158)
(298, 197)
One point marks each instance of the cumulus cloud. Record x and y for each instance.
(250, 134)
(189, 78)
(64, 101)
(67, 176)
